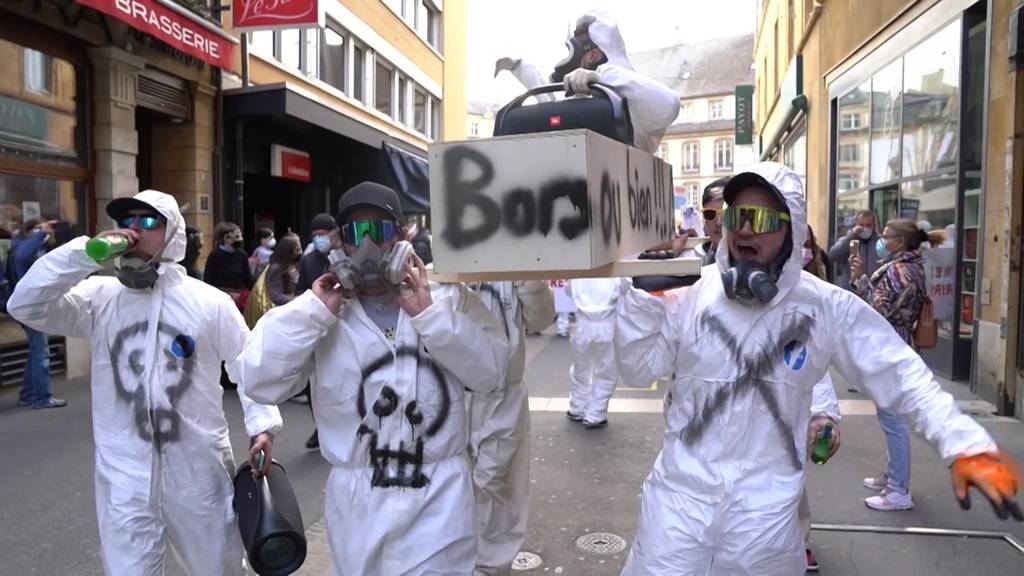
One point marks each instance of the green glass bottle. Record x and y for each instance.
(103, 248)
(820, 451)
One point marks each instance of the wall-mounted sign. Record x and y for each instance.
(249, 15)
(744, 115)
(290, 163)
(175, 25)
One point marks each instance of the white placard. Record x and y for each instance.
(563, 302)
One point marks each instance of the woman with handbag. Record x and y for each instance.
(276, 284)
(897, 290)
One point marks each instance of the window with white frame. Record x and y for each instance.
(334, 56)
(723, 154)
(38, 71)
(850, 153)
(383, 86)
(716, 109)
(403, 100)
(685, 112)
(419, 111)
(692, 191)
(850, 121)
(474, 129)
(435, 119)
(433, 25)
(359, 73)
(662, 150)
(691, 156)
(845, 183)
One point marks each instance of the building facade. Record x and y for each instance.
(701, 145)
(96, 103)
(908, 109)
(480, 119)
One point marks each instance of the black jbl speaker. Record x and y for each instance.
(269, 521)
(604, 112)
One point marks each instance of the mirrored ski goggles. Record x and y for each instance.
(146, 221)
(380, 231)
(761, 219)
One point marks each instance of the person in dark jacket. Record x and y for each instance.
(282, 270)
(421, 245)
(227, 266)
(193, 246)
(35, 240)
(314, 263)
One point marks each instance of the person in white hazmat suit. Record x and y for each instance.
(744, 346)
(597, 53)
(389, 372)
(163, 457)
(592, 374)
(499, 428)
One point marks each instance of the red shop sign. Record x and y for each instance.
(249, 15)
(174, 25)
(290, 163)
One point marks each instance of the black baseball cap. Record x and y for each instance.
(745, 180)
(369, 194)
(120, 206)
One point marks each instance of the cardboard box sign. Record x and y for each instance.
(558, 201)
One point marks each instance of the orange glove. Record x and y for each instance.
(995, 475)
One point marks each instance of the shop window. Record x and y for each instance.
(691, 157)
(717, 109)
(847, 206)
(886, 112)
(419, 111)
(931, 92)
(403, 100)
(723, 155)
(359, 73)
(794, 151)
(26, 197)
(38, 71)
(383, 83)
(333, 56)
(852, 142)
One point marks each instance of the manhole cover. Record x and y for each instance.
(526, 561)
(601, 543)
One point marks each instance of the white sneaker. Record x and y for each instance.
(890, 500)
(879, 482)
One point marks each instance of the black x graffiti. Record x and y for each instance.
(755, 369)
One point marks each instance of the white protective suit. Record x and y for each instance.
(652, 105)
(163, 457)
(593, 374)
(722, 497)
(499, 428)
(392, 422)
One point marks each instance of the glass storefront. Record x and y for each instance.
(908, 145)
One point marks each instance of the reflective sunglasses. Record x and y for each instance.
(380, 231)
(711, 213)
(761, 219)
(146, 221)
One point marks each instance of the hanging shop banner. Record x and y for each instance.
(744, 115)
(174, 25)
(250, 15)
(290, 163)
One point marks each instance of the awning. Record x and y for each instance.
(282, 99)
(407, 174)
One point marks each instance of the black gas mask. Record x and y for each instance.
(748, 281)
(577, 50)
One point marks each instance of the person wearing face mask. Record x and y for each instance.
(391, 357)
(743, 349)
(27, 247)
(865, 232)
(897, 290)
(227, 266)
(163, 454)
(264, 248)
(597, 53)
(324, 233)
(815, 260)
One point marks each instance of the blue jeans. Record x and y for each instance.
(897, 444)
(36, 386)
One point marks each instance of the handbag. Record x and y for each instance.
(258, 302)
(926, 333)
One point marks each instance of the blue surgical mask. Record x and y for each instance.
(322, 243)
(226, 248)
(880, 248)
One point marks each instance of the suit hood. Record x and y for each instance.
(604, 31)
(165, 205)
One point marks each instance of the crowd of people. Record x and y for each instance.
(417, 387)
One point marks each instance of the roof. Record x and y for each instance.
(704, 68)
(701, 127)
(480, 108)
